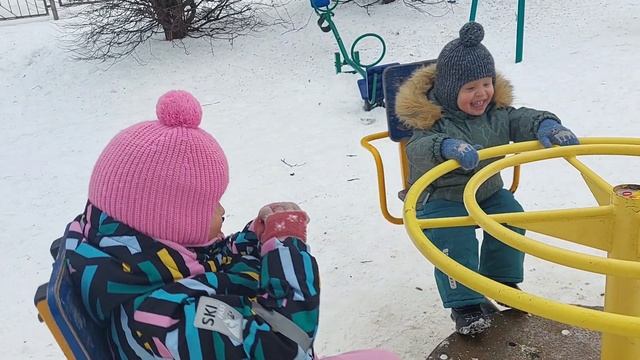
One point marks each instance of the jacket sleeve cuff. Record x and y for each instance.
(544, 116)
(274, 243)
(437, 148)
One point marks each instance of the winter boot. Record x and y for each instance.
(488, 308)
(470, 320)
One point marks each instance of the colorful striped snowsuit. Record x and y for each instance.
(146, 292)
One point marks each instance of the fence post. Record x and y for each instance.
(54, 9)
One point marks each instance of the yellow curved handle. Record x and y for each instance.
(382, 188)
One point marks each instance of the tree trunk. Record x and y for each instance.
(171, 16)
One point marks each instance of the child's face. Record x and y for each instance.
(475, 96)
(216, 223)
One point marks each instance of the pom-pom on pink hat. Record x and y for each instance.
(163, 178)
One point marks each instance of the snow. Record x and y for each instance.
(291, 129)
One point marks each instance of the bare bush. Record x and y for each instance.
(113, 29)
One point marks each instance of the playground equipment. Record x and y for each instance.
(613, 227)
(370, 85)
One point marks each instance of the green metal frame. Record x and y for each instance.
(519, 26)
(352, 58)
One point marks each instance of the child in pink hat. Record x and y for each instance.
(153, 267)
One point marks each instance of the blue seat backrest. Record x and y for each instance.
(366, 85)
(86, 339)
(392, 78)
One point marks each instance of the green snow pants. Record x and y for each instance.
(497, 261)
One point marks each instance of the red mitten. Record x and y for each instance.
(280, 220)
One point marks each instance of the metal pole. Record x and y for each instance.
(474, 9)
(520, 31)
(404, 164)
(343, 51)
(622, 295)
(54, 10)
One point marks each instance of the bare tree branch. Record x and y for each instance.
(427, 6)
(435, 8)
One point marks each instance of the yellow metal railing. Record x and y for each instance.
(382, 188)
(614, 227)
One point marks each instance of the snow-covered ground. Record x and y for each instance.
(273, 99)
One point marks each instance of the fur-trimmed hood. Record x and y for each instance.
(415, 110)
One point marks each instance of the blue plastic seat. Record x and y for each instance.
(371, 88)
(392, 78)
(60, 306)
(319, 3)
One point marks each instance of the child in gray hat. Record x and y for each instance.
(455, 107)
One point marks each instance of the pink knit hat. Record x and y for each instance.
(163, 178)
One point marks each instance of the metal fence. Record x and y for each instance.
(76, 2)
(17, 9)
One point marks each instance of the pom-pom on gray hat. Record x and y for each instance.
(460, 61)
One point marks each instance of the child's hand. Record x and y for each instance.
(461, 151)
(280, 220)
(550, 133)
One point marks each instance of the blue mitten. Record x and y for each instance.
(550, 133)
(461, 151)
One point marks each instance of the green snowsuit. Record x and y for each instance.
(431, 124)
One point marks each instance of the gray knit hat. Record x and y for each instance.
(460, 61)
